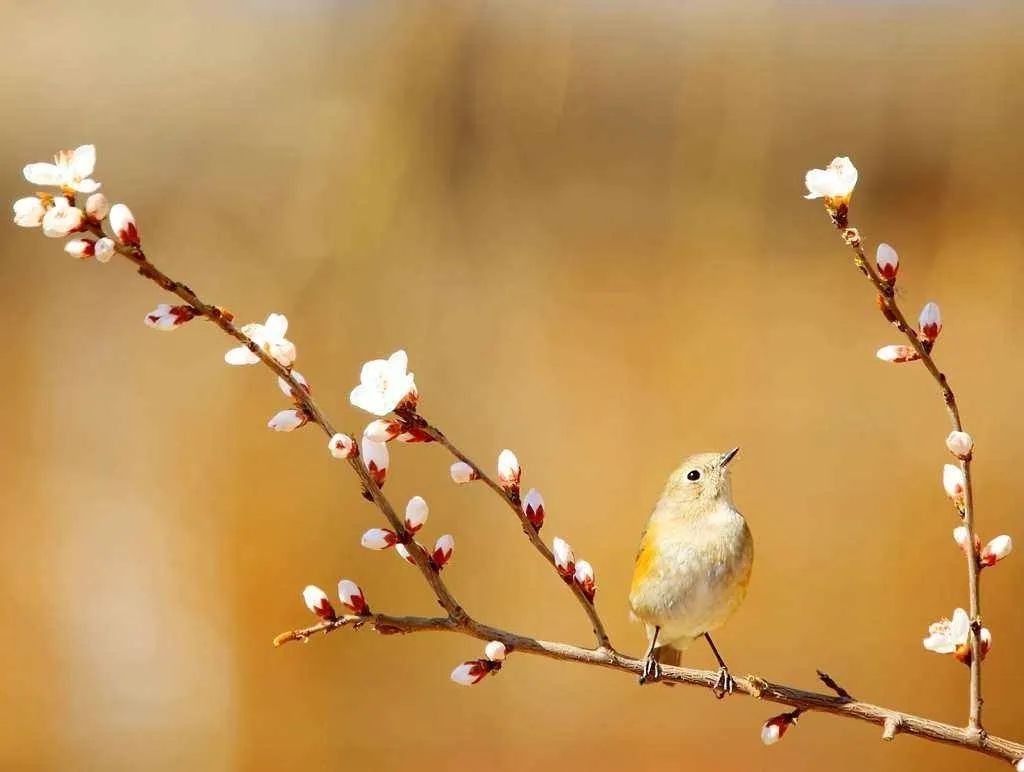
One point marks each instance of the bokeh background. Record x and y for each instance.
(584, 222)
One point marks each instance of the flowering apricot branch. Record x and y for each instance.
(388, 391)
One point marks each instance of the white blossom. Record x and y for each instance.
(62, 219)
(835, 183)
(509, 471)
(286, 388)
(584, 577)
(379, 539)
(775, 727)
(403, 552)
(960, 444)
(97, 207)
(533, 508)
(953, 482)
(416, 513)
(384, 385)
(341, 446)
(288, 420)
(29, 212)
(269, 337)
(382, 430)
(951, 636)
(443, 549)
(70, 171)
(80, 248)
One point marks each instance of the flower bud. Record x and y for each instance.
(930, 322)
(167, 317)
(288, 420)
(123, 224)
(379, 539)
(342, 446)
(382, 430)
(352, 597)
(416, 512)
(509, 472)
(403, 552)
(463, 473)
(29, 212)
(775, 727)
(287, 389)
(97, 207)
(443, 549)
(584, 577)
(376, 460)
(317, 602)
(565, 561)
(495, 651)
(414, 434)
(996, 550)
(953, 483)
(985, 641)
(81, 248)
(472, 672)
(897, 353)
(960, 536)
(533, 508)
(104, 249)
(887, 261)
(960, 444)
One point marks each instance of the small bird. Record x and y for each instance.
(693, 566)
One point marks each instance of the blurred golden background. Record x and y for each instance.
(584, 222)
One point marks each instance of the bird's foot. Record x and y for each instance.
(651, 672)
(725, 684)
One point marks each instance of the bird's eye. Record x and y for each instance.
(693, 475)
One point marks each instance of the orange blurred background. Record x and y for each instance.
(584, 222)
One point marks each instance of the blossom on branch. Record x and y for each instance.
(97, 207)
(565, 561)
(835, 184)
(167, 317)
(887, 262)
(930, 322)
(288, 420)
(382, 430)
(774, 728)
(960, 444)
(29, 212)
(533, 508)
(444, 547)
(495, 651)
(318, 602)
(352, 597)
(385, 386)
(379, 539)
(62, 219)
(584, 577)
(269, 337)
(376, 460)
(953, 483)
(342, 446)
(80, 249)
(953, 637)
(416, 513)
(403, 552)
(105, 249)
(463, 473)
(122, 221)
(897, 353)
(509, 472)
(288, 391)
(996, 550)
(70, 171)
(474, 671)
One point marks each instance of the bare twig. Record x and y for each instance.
(830, 682)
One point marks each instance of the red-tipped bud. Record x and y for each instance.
(414, 434)
(352, 597)
(81, 249)
(775, 727)
(443, 549)
(897, 353)
(584, 577)
(382, 430)
(533, 508)
(960, 444)
(123, 224)
(342, 446)
(288, 420)
(474, 671)
(167, 317)
(291, 393)
(416, 513)
(953, 483)
(565, 561)
(403, 552)
(930, 322)
(996, 550)
(888, 262)
(960, 536)
(376, 460)
(317, 602)
(509, 472)
(379, 539)
(463, 473)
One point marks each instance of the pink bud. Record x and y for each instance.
(317, 602)
(953, 482)
(463, 473)
(123, 224)
(996, 550)
(376, 460)
(533, 508)
(402, 551)
(167, 317)
(104, 249)
(897, 353)
(584, 576)
(416, 512)
(960, 444)
(342, 446)
(930, 322)
(888, 262)
(81, 248)
(379, 539)
(352, 597)
(287, 389)
(382, 430)
(288, 420)
(443, 549)
(472, 672)
(775, 727)
(97, 207)
(565, 561)
(509, 471)
(495, 651)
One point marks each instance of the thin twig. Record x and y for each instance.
(830, 682)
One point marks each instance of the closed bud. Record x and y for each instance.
(953, 483)
(382, 430)
(960, 444)
(414, 434)
(533, 508)
(443, 549)
(104, 249)
(888, 262)
(97, 207)
(81, 248)
(961, 537)
(403, 552)
(123, 224)
(584, 577)
(996, 550)
(775, 727)
(565, 561)
(897, 353)
(416, 513)
(472, 672)
(495, 651)
(167, 317)
(342, 446)
(288, 420)
(317, 602)
(509, 471)
(930, 322)
(352, 597)
(287, 389)
(376, 460)
(463, 473)
(985, 641)
(379, 539)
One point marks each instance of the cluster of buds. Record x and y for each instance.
(416, 514)
(774, 728)
(994, 551)
(578, 572)
(952, 636)
(929, 325)
(349, 593)
(474, 671)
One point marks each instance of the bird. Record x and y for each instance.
(693, 566)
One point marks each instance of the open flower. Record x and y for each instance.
(385, 386)
(835, 183)
(69, 171)
(268, 336)
(318, 602)
(352, 597)
(62, 219)
(951, 636)
(29, 212)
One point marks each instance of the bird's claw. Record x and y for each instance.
(725, 684)
(651, 672)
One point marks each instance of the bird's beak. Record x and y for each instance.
(727, 457)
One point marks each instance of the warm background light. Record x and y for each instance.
(584, 222)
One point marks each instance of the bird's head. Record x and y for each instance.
(702, 479)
